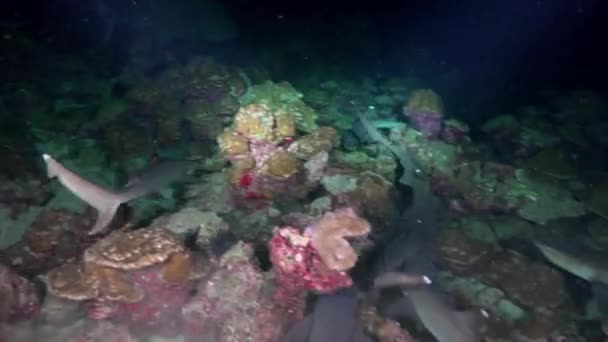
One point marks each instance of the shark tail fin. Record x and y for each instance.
(105, 201)
(104, 217)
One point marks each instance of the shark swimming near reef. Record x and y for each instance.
(333, 319)
(581, 261)
(153, 178)
(408, 264)
(431, 308)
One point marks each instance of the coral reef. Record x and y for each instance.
(18, 196)
(18, 297)
(516, 139)
(454, 131)
(266, 156)
(424, 108)
(282, 97)
(100, 331)
(232, 305)
(462, 254)
(384, 329)
(509, 271)
(383, 165)
(298, 268)
(374, 197)
(54, 237)
(191, 101)
(142, 277)
(328, 237)
(552, 162)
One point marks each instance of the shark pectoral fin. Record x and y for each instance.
(469, 320)
(104, 217)
(600, 294)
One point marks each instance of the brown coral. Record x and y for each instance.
(321, 139)
(86, 281)
(375, 197)
(461, 253)
(510, 271)
(55, 236)
(70, 281)
(424, 100)
(114, 284)
(328, 237)
(178, 268)
(103, 272)
(134, 249)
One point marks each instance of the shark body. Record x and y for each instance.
(430, 306)
(441, 320)
(408, 263)
(107, 201)
(333, 320)
(582, 262)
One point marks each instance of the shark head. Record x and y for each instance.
(580, 263)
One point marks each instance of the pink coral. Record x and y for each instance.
(429, 123)
(141, 277)
(454, 131)
(298, 267)
(157, 309)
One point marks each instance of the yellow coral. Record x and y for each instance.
(254, 121)
(239, 167)
(282, 164)
(425, 100)
(285, 125)
(231, 143)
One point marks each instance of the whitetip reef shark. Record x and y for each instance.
(431, 308)
(582, 261)
(333, 319)
(152, 179)
(408, 265)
